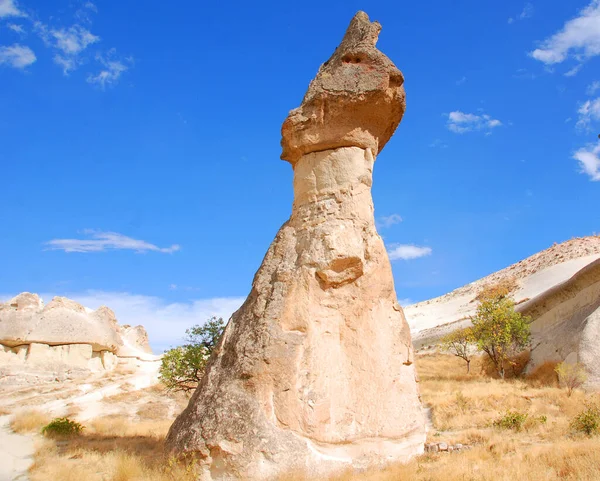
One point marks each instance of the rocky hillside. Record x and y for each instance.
(532, 276)
(559, 288)
(63, 338)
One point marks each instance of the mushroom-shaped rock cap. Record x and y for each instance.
(357, 98)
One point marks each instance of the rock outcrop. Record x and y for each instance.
(315, 373)
(566, 322)
(559, 288)
(64, 335)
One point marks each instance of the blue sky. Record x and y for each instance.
(139, 146)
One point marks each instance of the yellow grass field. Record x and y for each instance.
(462, 409)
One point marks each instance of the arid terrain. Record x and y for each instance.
(124, 440)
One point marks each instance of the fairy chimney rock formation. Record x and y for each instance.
(314, 373)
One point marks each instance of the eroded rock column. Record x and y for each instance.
(315, 371)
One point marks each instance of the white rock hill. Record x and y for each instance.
(63, 338)
(558, 287)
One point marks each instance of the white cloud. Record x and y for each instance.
(74, 39)
(68, 64)
(389, 220)
(589, 160)
(527, 12)
(8, 8)
(103, 241)
(461, 81)
(165, 321)
(68, 43)
(574, 71)
(579, 38)
(407, 251)
(83, 14)
(16, 56)
(111, 72)
(588, 112)
(460, 122)
(16, 28)
(405, 302)
(593, 87)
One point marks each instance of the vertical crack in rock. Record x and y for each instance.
(315, 373)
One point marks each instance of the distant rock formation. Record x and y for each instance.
(315, 371)
(559, 288)
(63, 335)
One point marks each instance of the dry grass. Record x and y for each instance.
(111, 449)
(463, 408)
(120, 426)
(29, 421)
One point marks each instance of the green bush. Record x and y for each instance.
(182, 367)
(500, 331)
(511, 420)
(587, 421)
(60, 427)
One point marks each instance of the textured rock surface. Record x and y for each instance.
(559, 288)
(315, 372)
(566, 322)
(432, 319)
(356, 99)
(24, 320)
(65, 336)
(135, 339)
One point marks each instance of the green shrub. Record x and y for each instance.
(588, 420)
(511, 420)
(500, 331)
(182, 367)
(62, 427)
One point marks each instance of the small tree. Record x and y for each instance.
(459, 343)
(571, 376)
(500, 331)
(182, 367)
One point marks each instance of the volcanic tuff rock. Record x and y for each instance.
(64, 334)
(356, 99)
(315, 373)
(559, 288)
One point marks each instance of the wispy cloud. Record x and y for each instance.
(16, 28)
(574, 71)
(68, 44)
(525, 74)
(111, 71)
(407, 251)
(579, 38)
(103, 241)
(593, 87)
(389, 220)
(460, 122)
(17, 56)
(438, 143)
(588, 112)
(461, 80)
(589, 160)
(527, 12)
(8, 8)
(165, 321)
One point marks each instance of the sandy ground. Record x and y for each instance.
(119, 394)
(16, 453)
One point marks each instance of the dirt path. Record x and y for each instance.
(16, 453)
